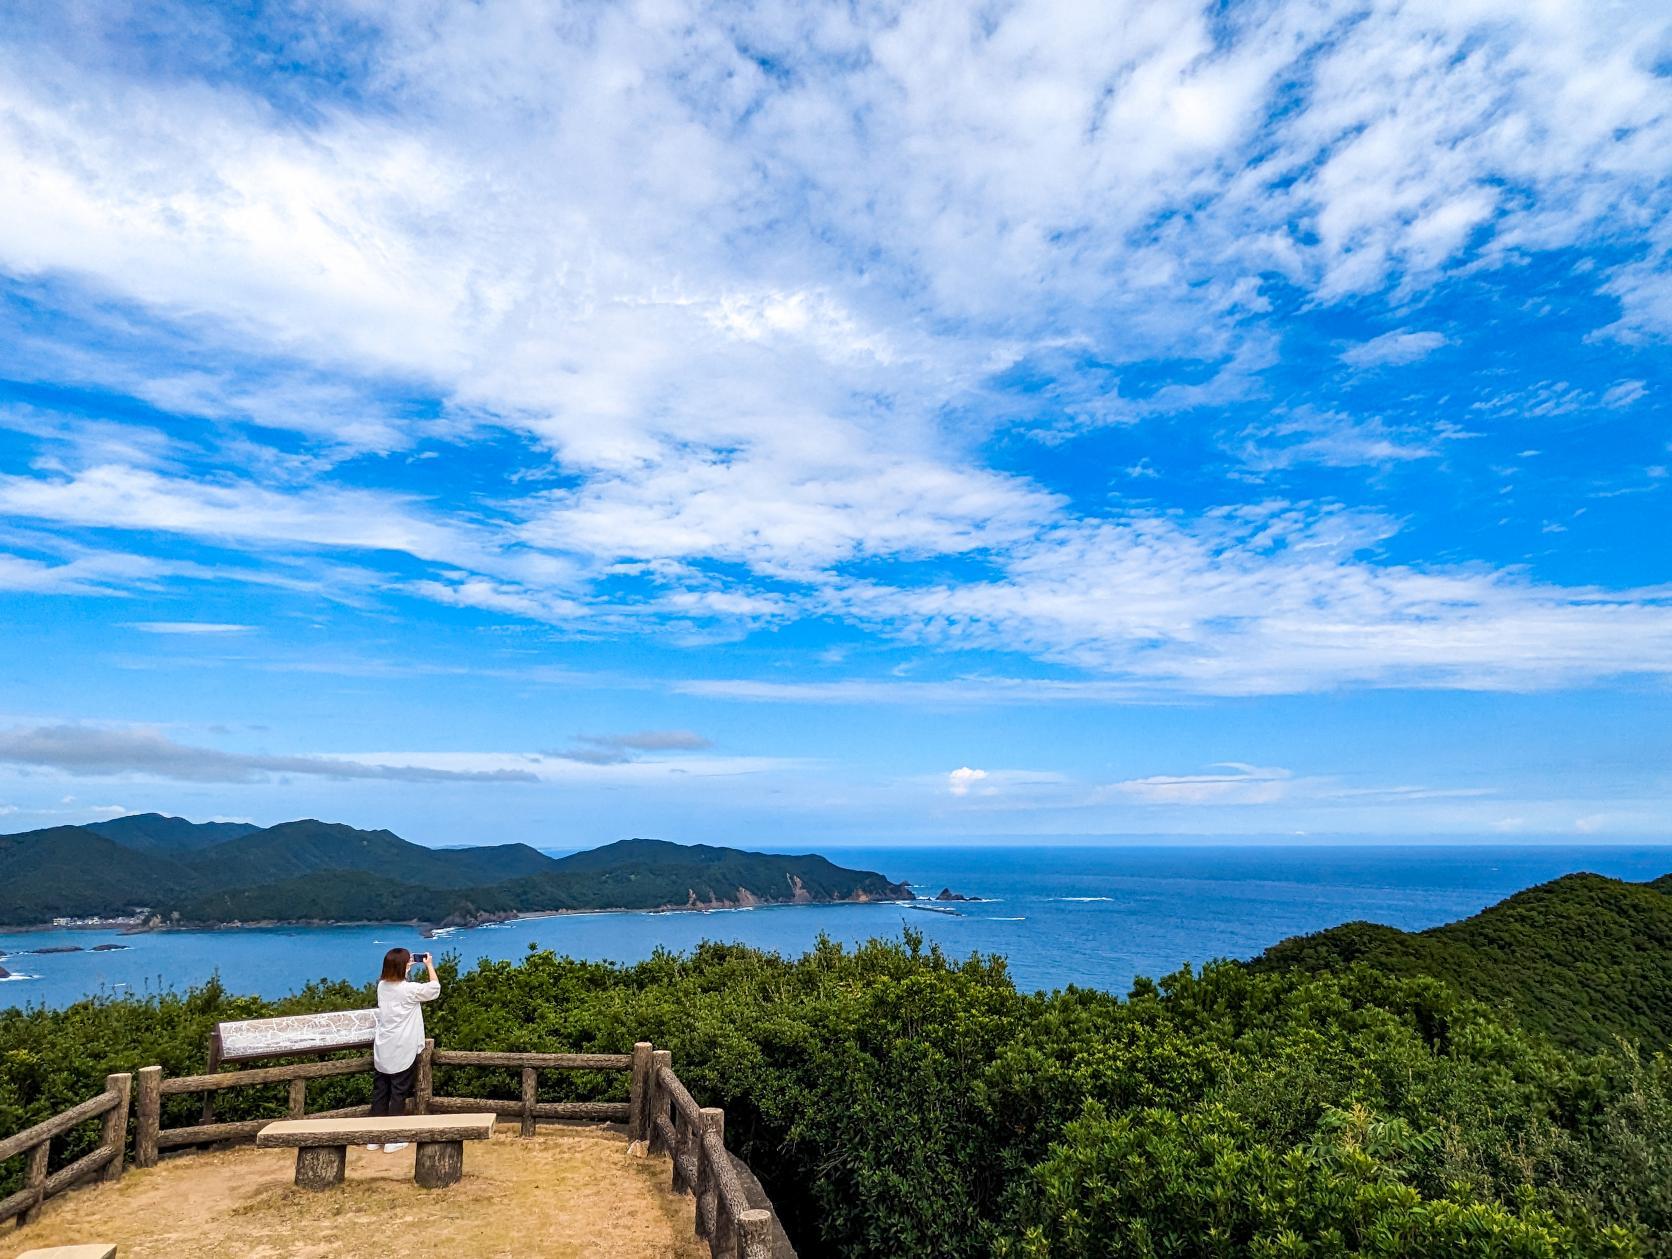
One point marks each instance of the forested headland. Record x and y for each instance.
(1325, 1100)
(1583, 958)
(170, 871)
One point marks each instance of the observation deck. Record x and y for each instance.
(569, 1190)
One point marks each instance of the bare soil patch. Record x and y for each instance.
(568, 1193)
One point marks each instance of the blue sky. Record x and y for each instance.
(798, 423)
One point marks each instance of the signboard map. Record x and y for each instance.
(296, 1034)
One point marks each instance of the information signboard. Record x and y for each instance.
(243, 1039)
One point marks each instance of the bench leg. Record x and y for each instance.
(320, 1166)
(439, 1164)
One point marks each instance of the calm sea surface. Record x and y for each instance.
(1089, 916)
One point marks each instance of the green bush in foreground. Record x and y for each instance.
(897, 1102)
(1155, 1182)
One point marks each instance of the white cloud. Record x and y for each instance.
(563, 768)
(190, 627)
(755, 321)
(786, 516)
(617, 749)
(1238, 784)
(1624, 393)
(532, 249)
(1393, 349)
(1271, 601)
(957, 692)
(109, 751)
(146, 752)
(961, 780)
(128, 498)
(1334, 440)
(1262, 600)
(652, 741)
(87, 574)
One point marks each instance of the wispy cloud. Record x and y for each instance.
(190, 627)
(1271, 601)
(1623, 394)
(1331, 439)
(128, 498)
(105, 751)
(770, 344)
(952, 693)
(91, 573)
(1393, 349)
(1238, 783)
(651, 741)
(617, 749)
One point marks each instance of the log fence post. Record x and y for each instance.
(212, 1064)
(530, 1090)
(148, 1115)
(638, 1093)
(682, 1142)
(425, 1089)
(722, 1241)
(754, 1234)
(656, 1103)
(709, 1119)
(296, 1106)
(113, 1131)
(34, 1176)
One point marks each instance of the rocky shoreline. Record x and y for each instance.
(453, 922)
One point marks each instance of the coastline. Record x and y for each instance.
(1093, 918)
(428, 928)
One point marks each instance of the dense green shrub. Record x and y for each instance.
(1156, 1182)
(898, 1102)
(1582, 958)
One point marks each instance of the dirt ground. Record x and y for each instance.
(570, 1192)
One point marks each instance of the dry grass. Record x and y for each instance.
(569, 1192)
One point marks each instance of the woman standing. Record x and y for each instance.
(400, 1033)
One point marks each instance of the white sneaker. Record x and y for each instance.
(374, 1146)
(394, 1146)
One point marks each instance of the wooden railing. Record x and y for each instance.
(526, 1107)
(660, 1111)
(151, 1138)
(107, 1161)
(695, 1139)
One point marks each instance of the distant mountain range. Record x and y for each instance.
(309, 871)
(1583, 958)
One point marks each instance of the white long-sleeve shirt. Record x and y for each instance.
(400, 1022)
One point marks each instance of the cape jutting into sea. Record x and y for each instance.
(1082, 915)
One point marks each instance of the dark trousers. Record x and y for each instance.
(390, 1089)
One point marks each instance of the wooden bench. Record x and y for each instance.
(88, 1250)
(321, 1145)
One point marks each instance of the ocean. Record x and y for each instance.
(1095, 917)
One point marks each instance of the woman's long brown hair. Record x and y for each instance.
(395, 962)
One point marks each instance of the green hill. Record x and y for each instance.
(155, 832)
(310, 871)
(323, 896)
(1583, 958)
(634, 874)
(294, 849)
(675, 874)
(71, 871)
